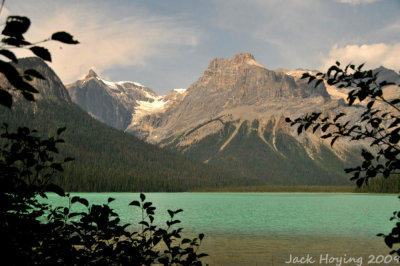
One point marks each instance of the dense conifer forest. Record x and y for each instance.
(381, 185)
(110, 160)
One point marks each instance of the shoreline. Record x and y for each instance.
(282, 189)
(262, 189)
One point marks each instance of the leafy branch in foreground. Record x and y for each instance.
(28, 163)
(13, 38)
(94, 236)
(37, 234)
(378, 124)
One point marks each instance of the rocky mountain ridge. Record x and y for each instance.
(233, 117)
(117, 104)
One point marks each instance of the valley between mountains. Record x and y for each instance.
(232, 117)
(227, 129)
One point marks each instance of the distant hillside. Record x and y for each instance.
(107, 159)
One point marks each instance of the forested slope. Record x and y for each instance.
(107, 159)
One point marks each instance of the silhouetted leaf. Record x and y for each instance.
(135, 203)
(351, 100)
(15, 41)
(63, 37)
(394, 138)
(68, 159)
(83, 201)
(333, 140)
(305, 75)
(178, 211)
(57, 166)
(28, 96)
(386, 173)
(144, 223)
(370, 104)
(109, 200)
(16, 26)
(34, 73)
(56, 189)
(74, 214)
(41, 52)
(74, 199)
(299, 129)
(326, 136)
(337, 117)
(142, 197)
(325, 127)
(367, 155)
(310, 79)
(61, 130)
(395, 123)
(315, 127)
(386, 83)
(185, 241)
(395, 101)
(319, 81)
(389, 241)
(10, 55)
(5, 98)
(11, 74)
(175, 222)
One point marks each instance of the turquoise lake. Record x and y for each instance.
(268, 228)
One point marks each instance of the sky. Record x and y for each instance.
(167, 44)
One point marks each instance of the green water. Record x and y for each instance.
(265, 228)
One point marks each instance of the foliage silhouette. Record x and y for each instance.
(14, 29)
(35, 232)
(378, 124)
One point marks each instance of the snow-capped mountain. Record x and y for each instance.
(118, 104)
(233, 117)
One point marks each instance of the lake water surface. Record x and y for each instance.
(269, 228)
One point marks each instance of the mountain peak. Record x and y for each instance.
(242, 58)
(91, 74)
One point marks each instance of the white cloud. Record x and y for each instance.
(374, 55)
(108, 43)
(356, 2)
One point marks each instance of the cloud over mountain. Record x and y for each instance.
(374, 55)
(108, 41)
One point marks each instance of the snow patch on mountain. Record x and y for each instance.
(108, 83)
(130, 82)
(149, 107)
(113, 84)
(180, 90)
